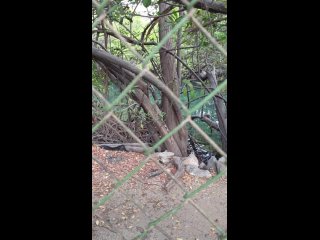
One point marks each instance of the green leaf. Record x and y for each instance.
(171, 18)
(186, 81)
(192, 93)
(146, 3)
(175, 14)
(184, 91)
(178, 19)
(190, 85)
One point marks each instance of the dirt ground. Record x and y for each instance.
(141, 200)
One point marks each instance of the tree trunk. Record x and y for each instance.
(221, 111)
(179, 38)
(172, 116)
(117, 67)
(152, 109)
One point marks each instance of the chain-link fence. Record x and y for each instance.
(137, 75)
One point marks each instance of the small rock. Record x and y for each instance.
(165, 154)
(164, 160)
(112, 159)
(191, 160)
(210, 164)
(221, 167)
(165, 157)
(221, 164)
(223, 160)
(202, 165)
(195, 171)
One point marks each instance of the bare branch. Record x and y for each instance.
(129, 40)
(208, 23)
(208, 121)
(153, 22)
(99, 44)
(209, 5)
(108, 59)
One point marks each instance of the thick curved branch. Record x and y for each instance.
(108, 59)
(153, 110)
(209, 5)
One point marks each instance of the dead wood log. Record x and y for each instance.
(127, 147)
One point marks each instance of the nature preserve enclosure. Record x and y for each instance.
(159, 119)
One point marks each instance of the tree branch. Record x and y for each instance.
(208, 5)
(207, 24)
(108, 59)
(129, 40)
(208, 121)
(152, 23)
(99, 44)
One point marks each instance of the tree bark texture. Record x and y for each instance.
(170, 78)
(221, 111)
